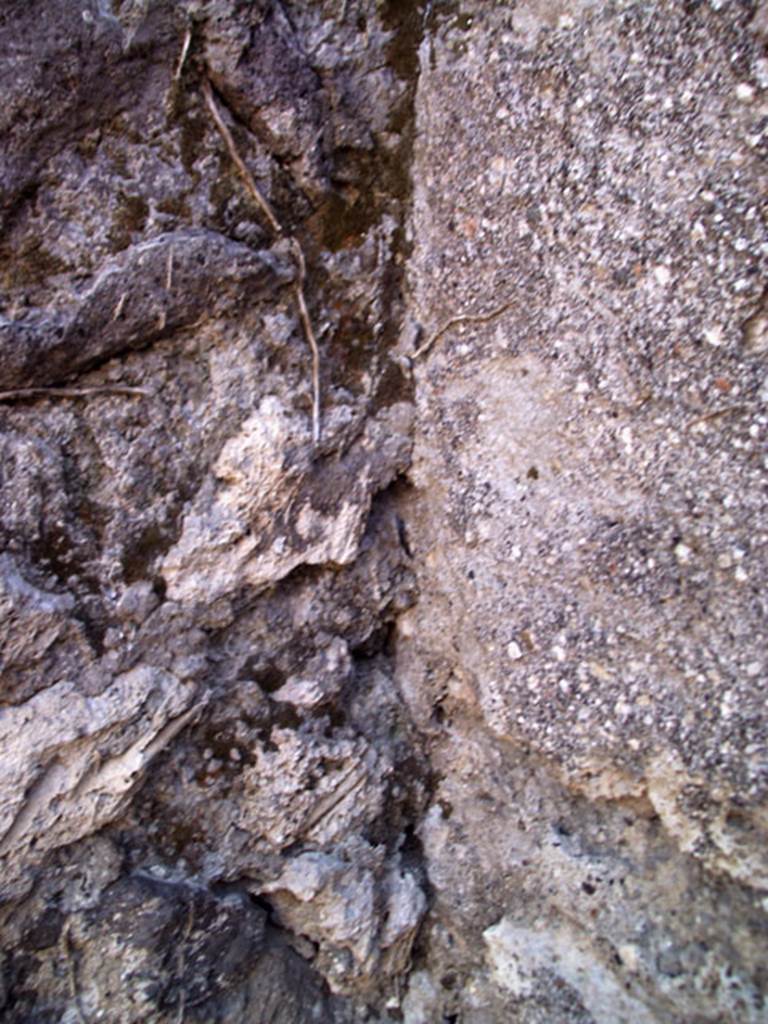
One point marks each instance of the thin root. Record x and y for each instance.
(465, 318)
(277, 231)
(24, 394)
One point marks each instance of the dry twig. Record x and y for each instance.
(120, 306)
(707, 417)
(465, 318)
(277, 231)
(184, 52)
(169, 270)
(238, 161)
(310, 334)
(23, 394)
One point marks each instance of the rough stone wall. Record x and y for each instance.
(457, 713)
(208, 780)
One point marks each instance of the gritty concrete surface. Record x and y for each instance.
(589, 506)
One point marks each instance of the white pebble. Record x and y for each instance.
(683, 553)
(514, 651)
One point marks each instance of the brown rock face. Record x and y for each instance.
(455, 713)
